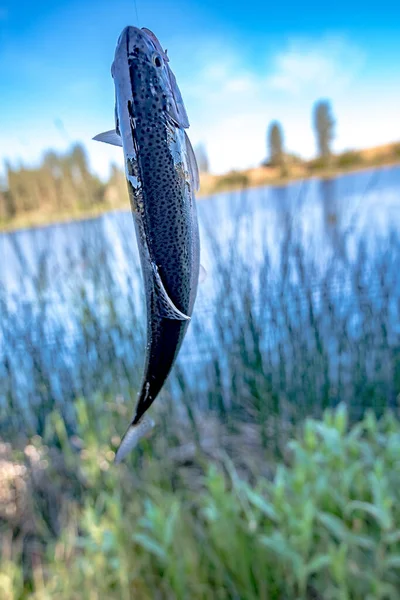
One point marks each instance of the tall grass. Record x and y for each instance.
(280, 330)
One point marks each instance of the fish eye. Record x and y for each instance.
(157, 60)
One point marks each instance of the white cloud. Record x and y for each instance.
(329, 65)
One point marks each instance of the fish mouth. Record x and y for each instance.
(127, 38)
(124, 51)
(132, 38)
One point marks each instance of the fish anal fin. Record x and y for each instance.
(168, 310)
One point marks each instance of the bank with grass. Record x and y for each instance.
(323, 523)
(63, 188)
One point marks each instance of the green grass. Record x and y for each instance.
(349, 159)
(324, 524)
(231, 181)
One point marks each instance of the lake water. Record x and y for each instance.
(251, 240)
(367, 203)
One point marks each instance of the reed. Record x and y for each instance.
(275, 336)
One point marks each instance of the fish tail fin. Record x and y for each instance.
(134, 433)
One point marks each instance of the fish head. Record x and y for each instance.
(144, 80)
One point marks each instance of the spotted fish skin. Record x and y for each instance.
(162, 177)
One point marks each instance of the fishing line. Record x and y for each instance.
(136, 11)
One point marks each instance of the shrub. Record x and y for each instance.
(234, 179)
(396, 150)
(317, 164)
(325, 526)
(349, 159)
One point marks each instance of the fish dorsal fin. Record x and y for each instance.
(109, 137)
(183, 119)
(167, 307)
(194, 169)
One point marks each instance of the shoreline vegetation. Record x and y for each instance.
(35, 196)
(322, 524)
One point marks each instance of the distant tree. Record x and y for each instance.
(63, 181)
(323, 125)
(202, 158)
(7, 207)
(275, 144)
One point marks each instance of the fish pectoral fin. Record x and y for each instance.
(168, 309)
(109, 137)
(132, 437)
(194, 169)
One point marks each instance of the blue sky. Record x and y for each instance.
(239, 65)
